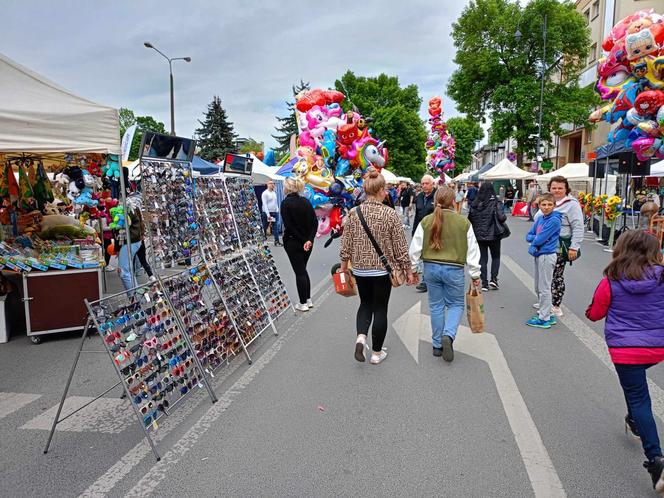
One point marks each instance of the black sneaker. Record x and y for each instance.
(277, 243)
(421, 287)
(448, 350)
(485, 287)
(494, 285)
(655, 468)
(630, 426)
(437, 351)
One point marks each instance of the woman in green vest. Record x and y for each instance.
(445, 242)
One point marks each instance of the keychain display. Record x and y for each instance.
(168, 204)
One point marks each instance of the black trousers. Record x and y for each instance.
(374, 297)
(492, 247)
(558, 282)
(142, 258)
(299, 258)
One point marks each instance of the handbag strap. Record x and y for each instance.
(379, 251)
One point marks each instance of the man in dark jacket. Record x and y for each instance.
(423, 207)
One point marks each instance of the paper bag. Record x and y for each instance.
(344, 284)
(475, 309)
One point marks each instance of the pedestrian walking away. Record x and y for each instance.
(533, 192)
(571, 236)
(424, 203)
(270, 212)
(488, 218)
(300, 226)
(373, 281)
(543, 239)
(406, 201)
(446, 243)
(458, 199)
(630, 297)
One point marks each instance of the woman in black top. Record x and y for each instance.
(483, 214)
(301, 225)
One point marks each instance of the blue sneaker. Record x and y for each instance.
(539, 323)
(552, 320)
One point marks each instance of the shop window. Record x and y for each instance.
(595, 9)
(589, 136)
(586, 15)
(592, 55)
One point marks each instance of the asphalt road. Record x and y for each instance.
(306, 419)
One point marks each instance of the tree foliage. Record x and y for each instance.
(499, 76)
(251, 145)
(216, 135)
(288, 124)
(466, 132)
(144, 123)
(394, 111)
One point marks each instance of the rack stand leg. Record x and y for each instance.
(71, 376)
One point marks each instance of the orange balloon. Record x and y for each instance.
(111, 249)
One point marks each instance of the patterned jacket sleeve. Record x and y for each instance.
(399, 244)
(345, 251)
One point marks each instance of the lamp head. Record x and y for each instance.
(148, 45)
(518, 36)
(187, 59)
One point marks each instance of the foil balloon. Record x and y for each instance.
(440, 144)
(630, 81)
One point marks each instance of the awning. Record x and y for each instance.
(571, 171)
(475, 175)
(506, 170)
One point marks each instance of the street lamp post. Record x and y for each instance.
(518, 36)
(170, 70)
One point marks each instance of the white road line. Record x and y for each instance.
(106, 482)
(11, 402)
(588, 337)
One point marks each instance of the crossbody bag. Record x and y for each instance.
(397, 278)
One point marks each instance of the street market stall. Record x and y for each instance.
(505, 170)
(50, 249)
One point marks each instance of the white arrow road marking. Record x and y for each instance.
(413, 326)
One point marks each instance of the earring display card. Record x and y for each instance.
(214, 214)
(269, 281)
(245, 206)
(242, 297)
(146, 346)
(168, 204)
(203, 313)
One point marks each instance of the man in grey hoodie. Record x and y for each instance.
(571, 227)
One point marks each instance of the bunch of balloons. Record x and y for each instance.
(440, 144)
(630, 79)
(335, 148)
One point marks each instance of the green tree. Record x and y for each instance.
(394, 113)
(466, 132)
(144, 123)
(499, 75)
(288, 124)
(251, 145)
(216, 135)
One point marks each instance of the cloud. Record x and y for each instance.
(249, 53)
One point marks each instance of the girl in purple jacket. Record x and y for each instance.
(631, 298)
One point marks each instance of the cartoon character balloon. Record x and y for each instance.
(440, 144)
(630, 79)
(334, 150)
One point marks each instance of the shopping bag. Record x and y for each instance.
(475, 309)
(344, 284)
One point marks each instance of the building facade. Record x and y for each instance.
(601, 16)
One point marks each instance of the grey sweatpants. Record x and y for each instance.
(544, 266)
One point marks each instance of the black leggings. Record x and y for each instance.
(140, 254)
(299, 258)
(374, 297)
(493, 247)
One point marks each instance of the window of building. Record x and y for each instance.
(592, 55)
(586, 15)
(595, 9)
(589, 136)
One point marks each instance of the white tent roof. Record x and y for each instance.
(404, 179)
(657, 169)
(389, 176)
(571, 171)
(506, 170)
(462, 177)
(36, 115)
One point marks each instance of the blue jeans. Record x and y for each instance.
(123, 261)
(275, 224)
(446, 299)
(635, 387)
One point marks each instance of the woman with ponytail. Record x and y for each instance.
(445, 242)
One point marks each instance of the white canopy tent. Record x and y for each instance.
(462, 177)
(571, 171)
(506, 170)
(405, 179)
(36, 115)
(389, 176)
(261, 173)
(657, 169)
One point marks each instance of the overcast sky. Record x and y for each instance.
(247, 52)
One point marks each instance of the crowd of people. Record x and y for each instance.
(444, 242)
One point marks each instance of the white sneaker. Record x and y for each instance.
(110, 268)
(310, 303)
(556, 311)
(536, 306)
(377, 358)
(301, 307)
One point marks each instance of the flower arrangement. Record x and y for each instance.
(586, 200)
(612, 208)
(598, 203)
